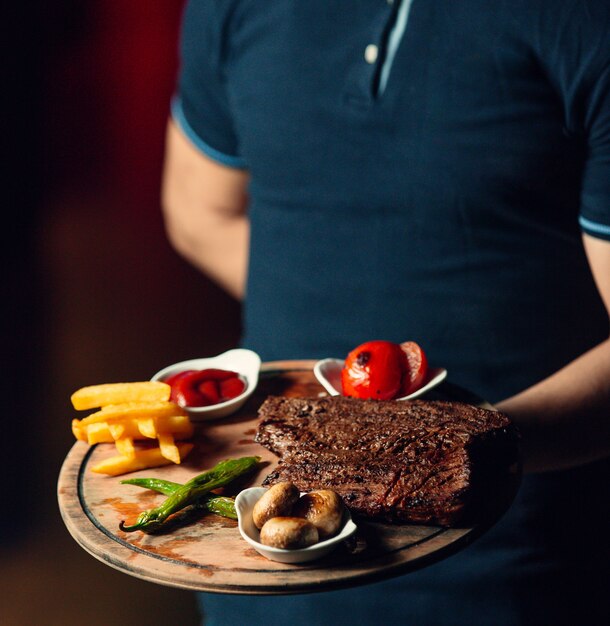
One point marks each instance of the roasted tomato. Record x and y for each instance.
(374, 369)
(417, 369)
(382, 370)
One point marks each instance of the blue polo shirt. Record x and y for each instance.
(423, 170)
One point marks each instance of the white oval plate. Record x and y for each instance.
(244, 503)
(328, 373)
(245, 362)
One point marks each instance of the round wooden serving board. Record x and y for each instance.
(209, 554)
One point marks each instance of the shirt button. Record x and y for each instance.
(370, 53)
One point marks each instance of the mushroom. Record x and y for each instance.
(277, 501)
(323, 508)
(288, 533)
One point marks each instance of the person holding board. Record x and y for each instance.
(433, 171)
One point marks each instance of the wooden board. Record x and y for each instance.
(209, 553)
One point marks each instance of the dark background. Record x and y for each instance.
(92, 291)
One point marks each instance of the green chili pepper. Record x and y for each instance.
(166, 487)
(220, 505)
(189, 493)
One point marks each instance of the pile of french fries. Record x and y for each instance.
(128, 412)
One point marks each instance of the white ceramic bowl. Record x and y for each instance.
(245, 362)
(328, 373)
(244, 503)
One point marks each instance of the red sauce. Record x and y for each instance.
(205, 387)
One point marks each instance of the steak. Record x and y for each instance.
(401, 461)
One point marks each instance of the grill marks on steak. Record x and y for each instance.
(417, 461)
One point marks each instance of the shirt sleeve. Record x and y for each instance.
(595, 196)
(201, 106)
(573, 43)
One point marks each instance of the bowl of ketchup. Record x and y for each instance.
(212, 387)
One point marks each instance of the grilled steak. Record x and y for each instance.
(414, 461)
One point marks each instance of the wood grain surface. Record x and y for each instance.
(208, 553)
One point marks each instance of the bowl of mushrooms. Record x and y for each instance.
(288, 526)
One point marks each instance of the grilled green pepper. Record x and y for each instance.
(166, 487)
(189, 493)
(220, 505)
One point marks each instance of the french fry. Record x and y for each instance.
(96, 396)
(168, 447)
(179, 425)
(129, 412)
(143, 459)
(78, 432)
(99, 432)
(117, 430)
(140, 410)
(124, 445)
(147, 427)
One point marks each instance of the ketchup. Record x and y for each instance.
(205, 387)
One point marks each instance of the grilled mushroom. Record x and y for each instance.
(323, 508)
(277, 501)
(288, 533)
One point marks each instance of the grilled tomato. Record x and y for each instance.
(382, 370)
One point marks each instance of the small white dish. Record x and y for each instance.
(328, 373)
(245, 362)
(244, 503)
